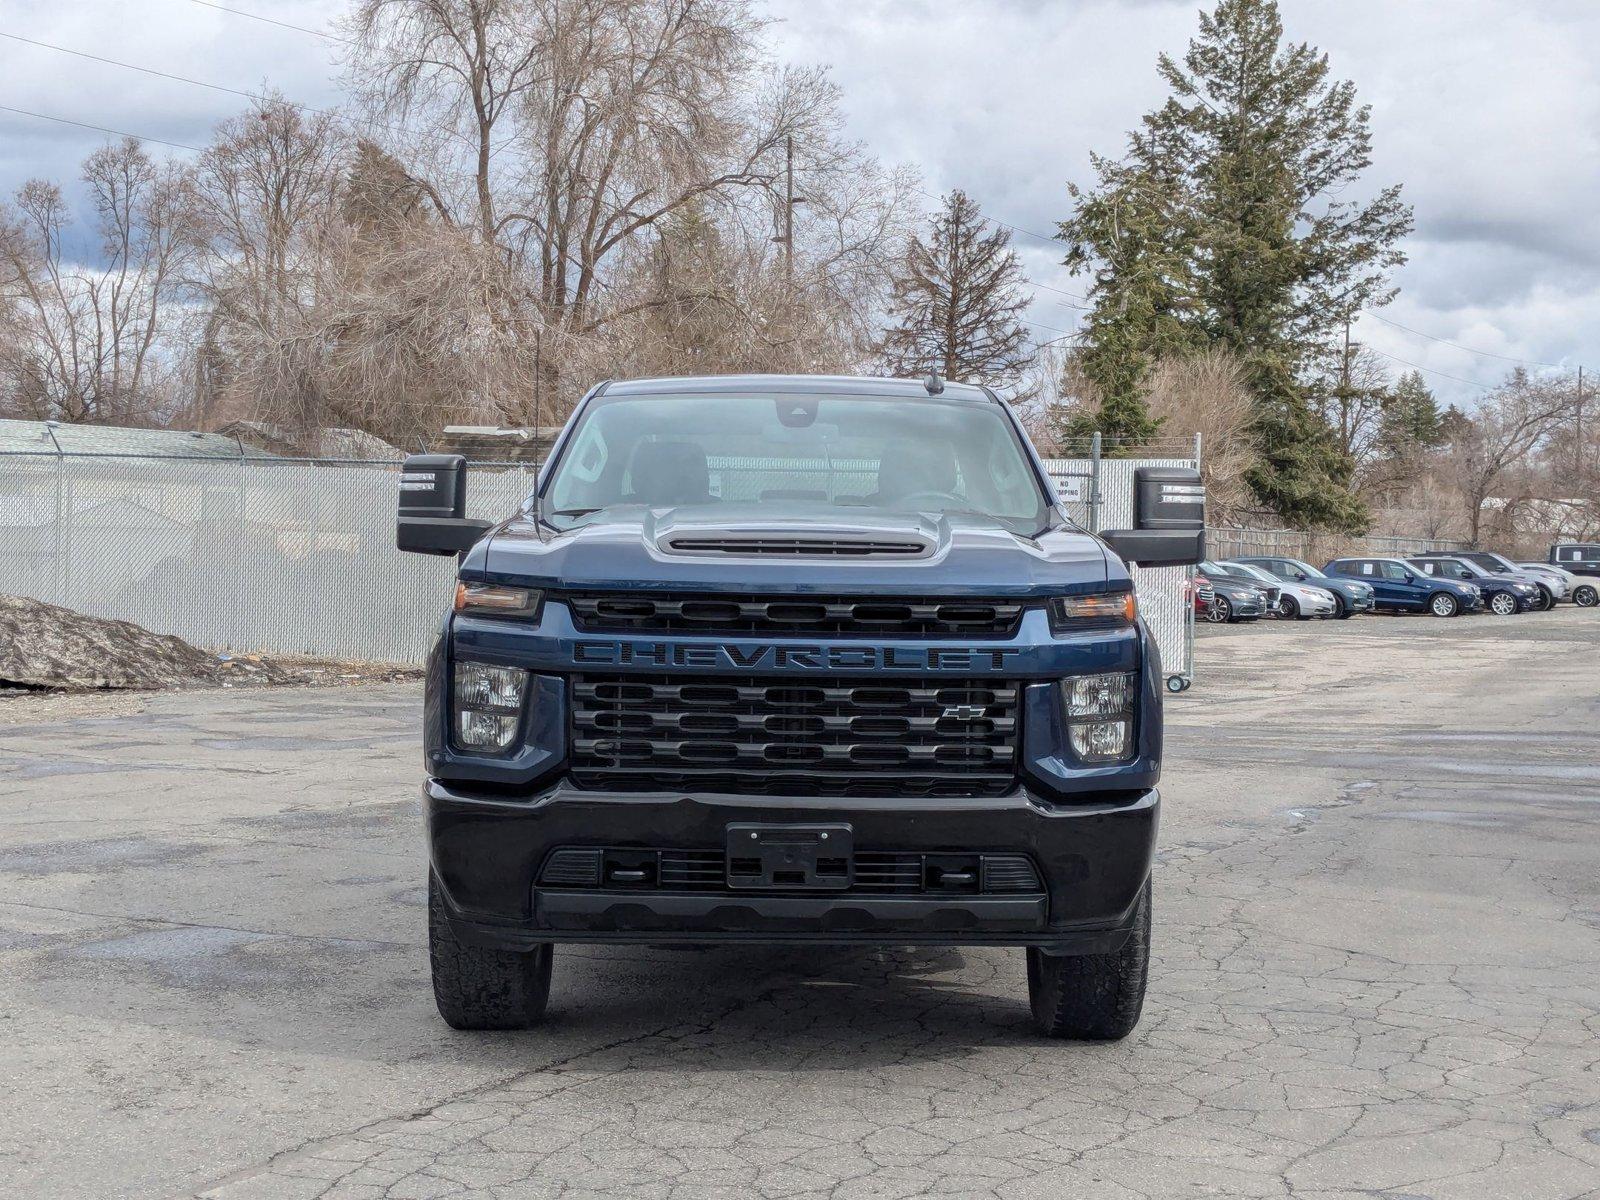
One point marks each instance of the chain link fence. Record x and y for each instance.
(298, 557)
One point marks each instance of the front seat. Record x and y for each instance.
(906, 469)
(666, 473)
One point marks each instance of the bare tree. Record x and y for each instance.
(1207, 393)
(574, 136)
(1491, 451)
(90, 347)
(268, 203)
(958, 300)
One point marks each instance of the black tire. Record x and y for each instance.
(1220, 610)
(1586, 595)
(1547, 599)
(1504, 604)
(1443, 604)
(1341, 608)
(477, 988)
(1093, 997)
(1288, 608)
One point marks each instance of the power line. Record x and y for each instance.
(111, 62)
(1442, 374)
(239, 12)
(1532, 362)
(99, 128)
(331, 114)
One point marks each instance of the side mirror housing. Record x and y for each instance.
(1169, 514)
(433, 506)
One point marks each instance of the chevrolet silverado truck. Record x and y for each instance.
(793, 660)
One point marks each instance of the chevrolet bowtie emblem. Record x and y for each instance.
(964, 712)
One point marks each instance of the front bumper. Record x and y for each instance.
(1092, 857)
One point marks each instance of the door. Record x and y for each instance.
(1405, 587)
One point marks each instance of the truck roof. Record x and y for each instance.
(836, 385)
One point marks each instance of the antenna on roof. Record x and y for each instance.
(933, 383)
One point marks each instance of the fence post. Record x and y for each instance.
(59, 562)
(1094, 483)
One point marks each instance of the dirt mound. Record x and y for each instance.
(46, 646)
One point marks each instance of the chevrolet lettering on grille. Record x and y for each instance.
(752, 656)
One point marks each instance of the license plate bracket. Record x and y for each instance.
(810, 858)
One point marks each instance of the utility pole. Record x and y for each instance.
(788, 210)
(1346, 418)
(1577, 441)
(786, 238)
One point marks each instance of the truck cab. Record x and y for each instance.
(800, 660)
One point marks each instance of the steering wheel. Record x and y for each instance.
(907, 501)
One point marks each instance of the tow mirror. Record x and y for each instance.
(433, 506)
(1169, 517)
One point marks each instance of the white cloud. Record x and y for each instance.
(1488, 111)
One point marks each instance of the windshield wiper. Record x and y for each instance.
(575, 512)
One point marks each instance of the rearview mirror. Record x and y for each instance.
(433, 506)
(1169, 514)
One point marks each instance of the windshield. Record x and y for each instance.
(1491, 562)
(797, 453)
(1254, 572)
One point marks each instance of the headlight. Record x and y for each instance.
(1119, 608)
(1099, 712)
(496, 599)
(488, 706)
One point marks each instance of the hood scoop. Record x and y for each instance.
(797, 545)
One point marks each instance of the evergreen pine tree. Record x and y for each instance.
(1227, 223)
(957, 302)
(1412, 418)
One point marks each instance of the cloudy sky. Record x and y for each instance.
(1487, 111)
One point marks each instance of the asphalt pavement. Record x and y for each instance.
(1376, 968)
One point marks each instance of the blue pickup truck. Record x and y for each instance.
(801, 660)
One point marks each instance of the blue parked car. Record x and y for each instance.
(1351, 595)
(1398, 586)
(1504, 594)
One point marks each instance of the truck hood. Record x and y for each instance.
(631, 547)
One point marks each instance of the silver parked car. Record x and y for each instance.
(1576, 588)
(1295, 600)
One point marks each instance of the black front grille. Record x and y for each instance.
(880, 871)
(597, 612)
(829, 736)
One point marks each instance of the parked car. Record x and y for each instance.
(1202, 593)
(1234, 600)
(1397, 586)
(1499, 564)
(1583, 592)
(1296, 601)
(1350, 595)
(1580, 558)
(1269, 590)
(1504, 595)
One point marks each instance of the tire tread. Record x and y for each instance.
(478, 988)
(1093, 997)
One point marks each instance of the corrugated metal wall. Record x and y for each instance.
(297, 557)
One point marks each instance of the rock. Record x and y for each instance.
(46, 646)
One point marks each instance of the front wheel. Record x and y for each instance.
(1093, 997)
(1288, 608)
(1503, 604)
(1443, 605)
(1547, 599)
(1220, 611)
(476, 988)
(1586, 596)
